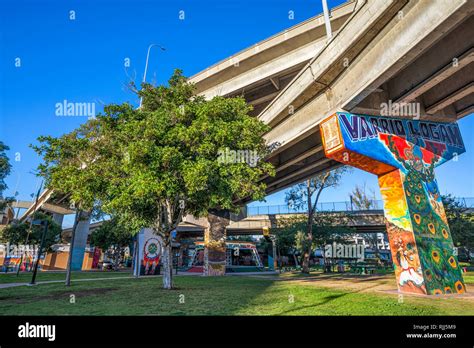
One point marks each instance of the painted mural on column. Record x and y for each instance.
(150, 247)
(403, 154)
(214, 243)
(214, 255)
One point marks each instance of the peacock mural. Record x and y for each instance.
(404, 157)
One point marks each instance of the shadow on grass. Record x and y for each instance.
(192, 295)
(325, 300)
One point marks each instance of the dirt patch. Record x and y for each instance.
(56, 295)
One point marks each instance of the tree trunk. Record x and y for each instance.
(309, 234)
(167, 264)
(377, 253)
(295, 260)
(167, 224)
(305, 268)
(279, 260)
(325, 259)
(308, 252)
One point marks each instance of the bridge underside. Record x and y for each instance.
(397, 51)
(439, 78)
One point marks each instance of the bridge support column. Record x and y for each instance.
(80, 240)
(419, 236)
(272, 254)
(58, 218)
(271, 257)
(214, 242)
(403, 154)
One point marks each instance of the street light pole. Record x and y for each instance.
(327, 21)
(146, 66)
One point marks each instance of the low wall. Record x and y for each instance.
(58, 261)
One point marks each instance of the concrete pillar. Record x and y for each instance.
(420, 240)
(137, 244)
(58, 218)
(214, 242)
(403, 154)
(271, 259)
(272, 254)
(80, 240)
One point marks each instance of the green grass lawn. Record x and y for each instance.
(238, 295)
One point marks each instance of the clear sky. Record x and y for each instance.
(83, 60)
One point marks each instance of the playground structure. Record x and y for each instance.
(240, 257)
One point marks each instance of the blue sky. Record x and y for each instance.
(82, 60)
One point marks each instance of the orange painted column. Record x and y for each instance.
(403, 154)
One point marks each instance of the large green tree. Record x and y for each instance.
(17, 232)
(306, 195)
(112, 237)
(326, 228)
(460, 220)
(148, 167)
(65, 160)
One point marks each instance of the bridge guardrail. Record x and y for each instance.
(346, 206)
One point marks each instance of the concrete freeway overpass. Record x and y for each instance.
(370, 221)
(381, 51)
(258, 217)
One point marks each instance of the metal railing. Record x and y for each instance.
(467, 202)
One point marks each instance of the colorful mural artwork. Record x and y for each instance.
(214, 243)
(149, 252)
(214, 255)
(403, 154)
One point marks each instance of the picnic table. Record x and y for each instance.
(363, 269)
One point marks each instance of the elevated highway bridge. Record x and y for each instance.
(380, 51)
